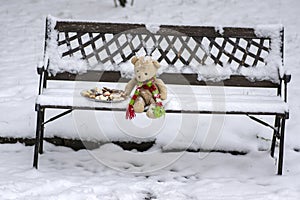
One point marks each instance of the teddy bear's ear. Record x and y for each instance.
(134, 59)
(156, 64)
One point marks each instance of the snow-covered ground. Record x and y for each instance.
(84, 174)
(65, 174)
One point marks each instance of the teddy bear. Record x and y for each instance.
(150, 91)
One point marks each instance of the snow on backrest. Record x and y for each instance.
(251, 52)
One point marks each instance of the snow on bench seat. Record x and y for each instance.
(178, 100)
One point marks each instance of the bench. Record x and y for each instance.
(229, 57)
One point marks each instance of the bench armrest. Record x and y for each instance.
(42, 65)
(40, 69)
(287, 78)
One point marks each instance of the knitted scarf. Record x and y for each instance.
(158, 110)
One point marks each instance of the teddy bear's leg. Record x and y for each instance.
(162, 88)
(150, 112)
(139, 105)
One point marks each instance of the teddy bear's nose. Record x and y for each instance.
(139, 76)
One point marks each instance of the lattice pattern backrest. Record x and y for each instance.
(171, 45)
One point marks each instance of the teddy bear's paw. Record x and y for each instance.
(163, 96)
(139, 107)
(150, 114)
(155, 111)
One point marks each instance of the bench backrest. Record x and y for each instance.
(174, 46)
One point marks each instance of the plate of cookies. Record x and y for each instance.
(104, 94)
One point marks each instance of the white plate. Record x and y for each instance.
(105, 101)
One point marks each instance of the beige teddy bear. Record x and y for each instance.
(150, 91)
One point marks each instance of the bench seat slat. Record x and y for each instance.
(199, 103)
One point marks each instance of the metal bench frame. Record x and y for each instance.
(69, 31)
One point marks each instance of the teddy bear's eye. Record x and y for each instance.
(146, 74)
(137, 70)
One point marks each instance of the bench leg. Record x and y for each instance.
(42, 132)
(277, 126)
(37, 138)
(281, 147)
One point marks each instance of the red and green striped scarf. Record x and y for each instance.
(158, 110)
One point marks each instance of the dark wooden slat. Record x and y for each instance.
(168, 78)
(167, 50)
(246, 53)
(234, 81)
(69, 39)
(183, 47)
(68, 43)
(257, 58)
(231, 55)
(95, 27)
(282, 45)
(222, 49)
(71, 51)
(81, 46)
(106, 45)
(120, 49)
(92, 42)
(213, 43)
(93, 76)
(260, 45)
(115, 28)
(194, 55)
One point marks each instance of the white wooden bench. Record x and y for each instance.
(195, 56)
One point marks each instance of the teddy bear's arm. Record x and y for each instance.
(162, 88)
(130, 85)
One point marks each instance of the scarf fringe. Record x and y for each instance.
(130, 114)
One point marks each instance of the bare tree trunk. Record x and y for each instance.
(123, 3)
